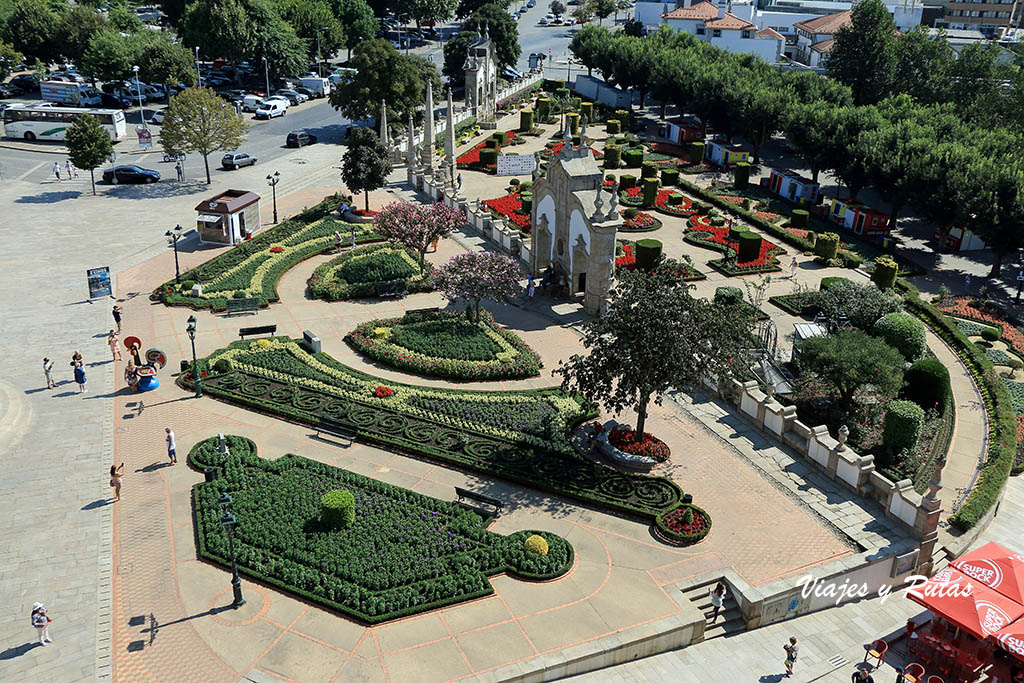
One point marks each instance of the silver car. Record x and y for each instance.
(236, 160)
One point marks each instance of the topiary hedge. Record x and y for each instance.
(543, 108)
(799, 219)
(696, 152)
(902, 426)
(827, 246)
(633, 158)
(650, 191)
(613, 126)
(489, 155)
(573, 120)
(903, 332)
(627, 181)
(926, 383)
(648, 252)
(526, 120)
(669, 177)
(991, 334)
(885, 272)
(741, 175)
(749, 247)
(337, 509)
(612, 156)
(649, 169)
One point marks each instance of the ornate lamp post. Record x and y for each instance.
(273, 180)
(229, 520)
(172, 238)
(190, 329)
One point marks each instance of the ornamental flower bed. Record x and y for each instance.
(366, 213)
(625, 259)
(446, 344)
(642, 222)
(403, 553)
(702, 233)
(963, 307)
(471, 158)
(511, 205)
(648, 446)
(359, 272)
(683, 209)
(685, 524)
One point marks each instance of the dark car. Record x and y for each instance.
(130, 174)
(9, 91)
(311, 94)
(108, 101)
(236, 160)
(299, 138)
(26, 82)
(292, 96)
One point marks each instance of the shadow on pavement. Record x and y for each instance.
(103, 502)
(17, 650)
(48, 197)
(164, 189)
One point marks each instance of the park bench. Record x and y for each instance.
(464, 494)
(331, 425)
(260, 329)
(242, 305)
(417, 312)
(391, 289)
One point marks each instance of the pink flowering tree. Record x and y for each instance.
(478, 275)
(417, 226)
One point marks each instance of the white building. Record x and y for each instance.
(814, 38)
(731, 31)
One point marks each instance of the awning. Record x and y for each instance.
(966, 603)
(997, 567)
(209, 218)
(1011, 638)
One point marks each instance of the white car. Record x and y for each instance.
(271, 108)
(279, 98)
(543, 21)
(158, 116)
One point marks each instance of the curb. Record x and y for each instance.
(63, 151)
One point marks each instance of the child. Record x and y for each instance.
(791, 651)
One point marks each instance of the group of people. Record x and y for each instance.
(72, 172)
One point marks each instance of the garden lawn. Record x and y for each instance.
(447, 344)
(403, 552)
(358, 272)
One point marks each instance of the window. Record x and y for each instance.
(716, 33)
(701, 31)
(746, 34)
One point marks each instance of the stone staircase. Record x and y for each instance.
(729, 620)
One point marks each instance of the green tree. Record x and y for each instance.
(382, 73)
(218, 27)
(124, 19)
(455, 50)
(977, 80)
(502, 29)
(427, 10)
(8, 57)
(923, 65)
(468, 7)
(366, 164)
(602, 9)
(809, 131)
(275, 39)
(358, 21)
(634, 58)
(88, 145)
(764, 104)
(850, 360)
(175, 11)
(110, 56)
(161, 60)
(864, 53)
(557, 7)
(696, 337)
(582, 12)
(851, 163)
(32, 27)
(77, 27)
(199, 120)
(809, 87)
(590, 44)
(311, 18)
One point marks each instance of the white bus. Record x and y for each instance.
(45, 122)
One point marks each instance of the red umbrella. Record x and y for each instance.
(966, 603)
(1011, 638)
(997, 567)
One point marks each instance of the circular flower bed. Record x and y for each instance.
(642, 222)
(648, 446)
(684, 525)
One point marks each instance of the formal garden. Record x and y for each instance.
(362, 547)
(361, 272)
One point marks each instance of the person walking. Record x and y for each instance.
(861, 676)
(717, 598)
(70, 167)
(172, 453)
(41, 622)
(337, 241)
(791, 652)
(531, 287)
(115, 348)
(792, 269)
(79, 376)
(48, 371)
(56, 170)
(117, 317)
(115, 480)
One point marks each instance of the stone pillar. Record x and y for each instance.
(427, 152)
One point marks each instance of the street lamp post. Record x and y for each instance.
(273, 180)
(190, 329)
(229, 520)
(199, 76)
(138, 89)
(172, 238)
(319, 58)
(266, 75)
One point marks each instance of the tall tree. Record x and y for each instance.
(468, 7)
(922, 65)
(850, 360)
(810, 130)
(77, 27)
(808, 87)
(427, 10)
(763, 106)
(633, 60)
(219, 27)
(358, 21)
(557, 7)
(162, 60)
(590, 44)
(850, 162)
(275, 39)
(455, 50)
(864, 53)
(314, 19)
(417, 226)
(110, 56)
(32, 27)
(88, 145)
(602, 9)
(199, 120)
(382, 73)
(479, 275)
(174, 10)
(122, 17)
(8, 57)
(502, 29)
(697, 338)
(366, 163)
(977, 79)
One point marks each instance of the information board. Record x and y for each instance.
(515, 164)
(99, 282)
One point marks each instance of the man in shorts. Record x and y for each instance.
(171, 447)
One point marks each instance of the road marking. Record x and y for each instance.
(33, 169)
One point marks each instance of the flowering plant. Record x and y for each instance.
(511, 205)
(647, 445)
(383, 392)
(277, 249)
(417, 226)
(703, 233)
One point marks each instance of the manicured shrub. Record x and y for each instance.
(573, 120)
(650, 190)
(613, 126)
(799, 219)
(628, 180)
(536, 544)
(696, 152)
(903, 421)
(488, 156)
(991, 334)
(501, 136)
(648, 169)
(647, 253)
(747, 203)
(863, 305)
(527, 199)
(675, 199)
(587, 109)
(885, 272)
(187, 285)
(630, 213)
(240, 294)
(514, 182)
(728, 295)
(610, 177)
(749, 247)
(669, 176)
(926, 383)
(543, 108)
(903, 332)
(526, 120)
(223, 365)
(337, 509)
(827, 245)
(633, 157)
(562, 92)
(612, 156)
(526, 185)
(741, 175)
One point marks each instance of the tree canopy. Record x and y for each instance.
(199, 120)
(358, 21)
(502, 29)
(366, 163)
(89, 145)
(417, 226)
(479, 275)
(864, 53)
(850, 360)
(383, 73)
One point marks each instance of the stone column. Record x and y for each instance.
(427, 152)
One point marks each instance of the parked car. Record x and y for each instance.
(292, 96)
(300, 138)
(26, 82)
(236, 160)
(280, 98)
(251, 102)
(158, 116)
(130, 174)
(9, 91)
(543, 21)
(531, 3)
(303, 90)
(271, 109)
(217, 81)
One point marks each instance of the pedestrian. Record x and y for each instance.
(79, 376)
(352, 236)
(171, 449)
(115, 348)
(792, 269)
(861, 676)
(791, 651)
(48, 371)
(56, 170)
(717, 598)
(459, 181)
(530, 286)
(967, 283)
(115, 480)
(41, 622)
(180, 170)
(117, 317)
(71, 169)
(131, 376)
(337, 241)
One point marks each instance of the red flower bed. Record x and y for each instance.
(769, 216)
(383, 392)
(511, 205)
(363, 212)
(684, 208)
(627, 260)
(276, 250)
(797, 232)
(648, 446)
(961, 306)
(669, 149)
(719, 235)
(556, 147)
(642, 221)
(676, 522)
(731, 198)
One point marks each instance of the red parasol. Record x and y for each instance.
(1011, 638)
(965, 602)
(1000, 569)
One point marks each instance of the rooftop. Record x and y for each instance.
(830, 23)
(730, 22)
(702, 10)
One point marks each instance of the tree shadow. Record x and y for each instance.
(48, 197)
(162, 190)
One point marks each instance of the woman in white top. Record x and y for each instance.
(717, 598)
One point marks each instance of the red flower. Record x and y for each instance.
(383, 392)
(647, 445)
(276, 250)
(511, 205)
(719, 235)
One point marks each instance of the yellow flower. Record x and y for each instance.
(380, 331)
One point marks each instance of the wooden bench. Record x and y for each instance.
(391, 289)
(260, 329)
(337, 427)
(416, 312)
(463, 494)
(242, 305)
